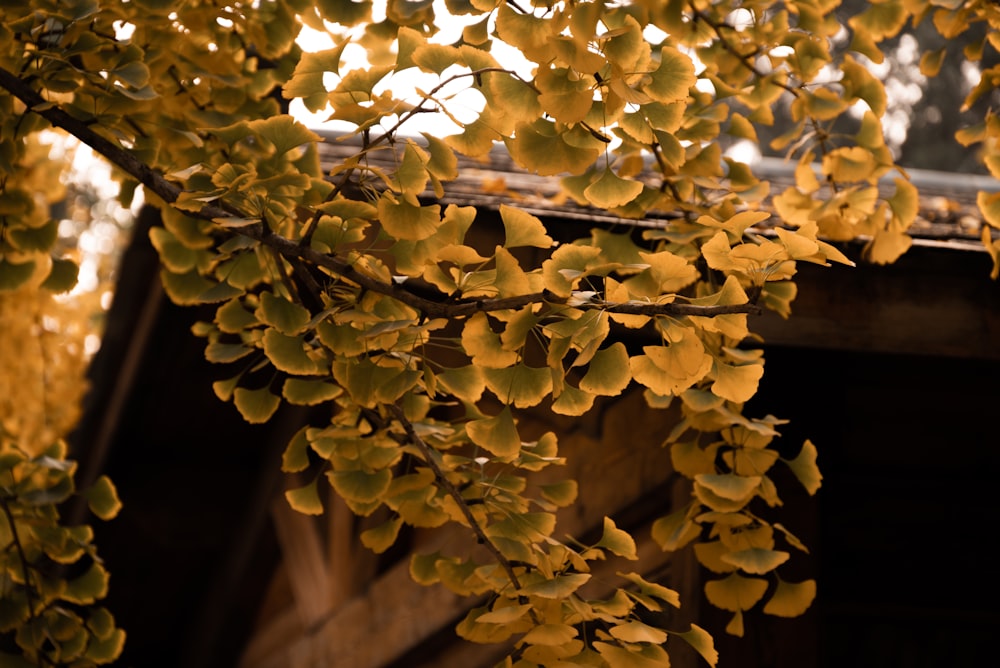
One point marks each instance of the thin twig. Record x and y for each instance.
(456, 495)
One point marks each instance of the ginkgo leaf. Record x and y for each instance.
(572, 401)
(729, 485)
(558, 587)
(406, 218)
(550, 634)
(484, 346)
(284, 315)
(288, 353)
(360, 486)
(805, 469)
(497, 434)
(636, 631)
(674, 531)
(736, 383)
(617, 541)
(309, 392)
(702, 642)
(791, 599)
(608, 371)
(102, 498)
(756, 560)
(305, 499)
(672, 78)
(523, 229)
(561, 493)
(653, 589)
(381, 538)
(504, 615)
(256, 406)
(610, 190)
(735, 592)
(283, 132)
(88, 587)
(644, 656)
(295, 458)
(520, 385)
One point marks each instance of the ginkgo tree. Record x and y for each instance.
(353, 290)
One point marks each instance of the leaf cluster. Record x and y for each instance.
(421, 331)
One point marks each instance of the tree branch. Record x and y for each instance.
(169, 192)
(456, 495)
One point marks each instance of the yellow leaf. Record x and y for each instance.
(849, 164)
(497, 434)
(728, 485)
(736, 383)
(702, 642)
(636, 631)
(256, 406)
(523, 229)
(887, 246)
(735, 592)
(756, 560)
(672, 78)
(572, 401)
(608, 371)
(541, 147)
(610, 190)
(805, 469)
(483, 345)
(565, 96)
(520, 385)
(791, 599)
(617, 541)
(305, 499)
(406, 219)
(550, 634)
(381, 538)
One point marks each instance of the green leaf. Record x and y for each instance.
(617, 541)
(256, 406)
(305, 499)
(102, 498)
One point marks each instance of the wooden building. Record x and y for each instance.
(892, 371)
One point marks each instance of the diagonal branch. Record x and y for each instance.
(442, 308)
